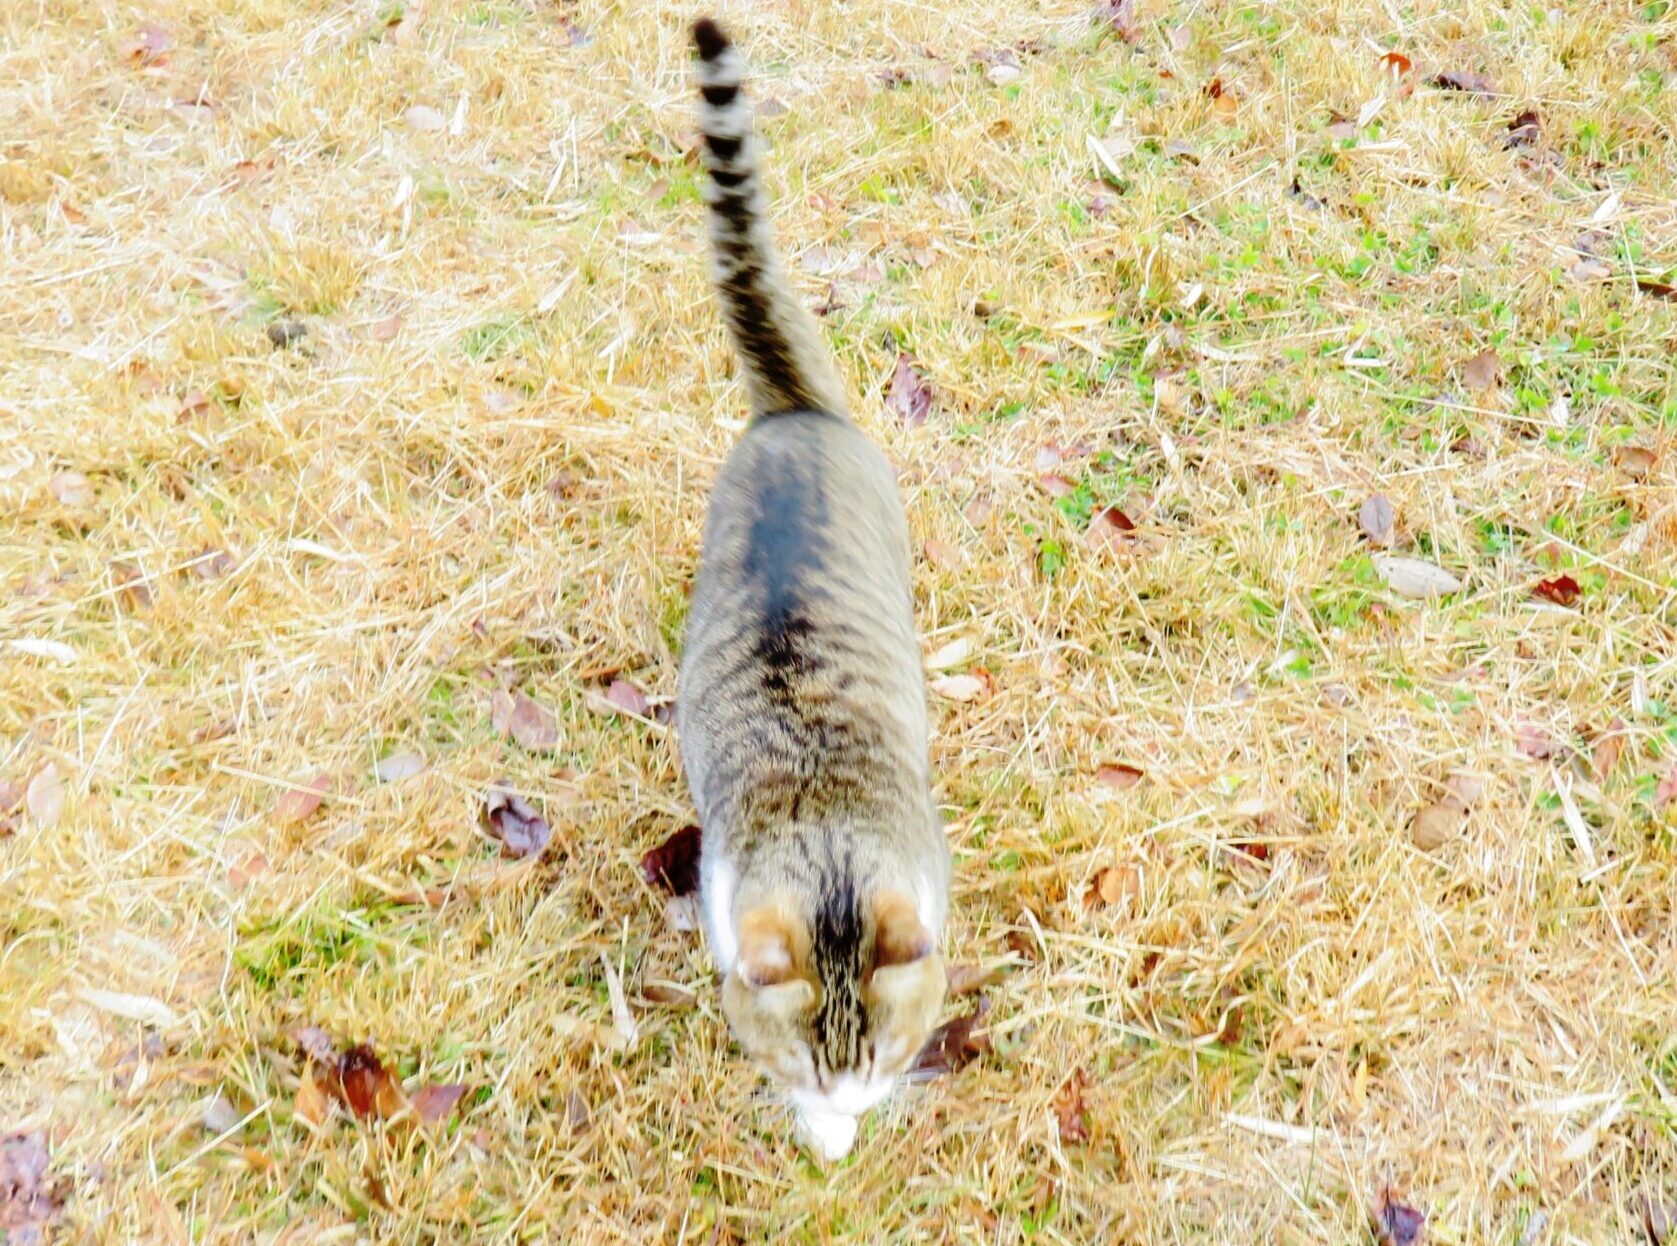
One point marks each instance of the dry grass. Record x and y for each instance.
(1292, 1006)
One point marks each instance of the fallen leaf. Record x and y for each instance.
(424, 118)
(311, 1106)
(1056, 485)
(1110, 528)
(385, 330)
(910, 394)
(1659, 289)
(29, 1202)
(668, 995)
(246, 871)
(1340, 127)
(1068, 1109)
(674, 864)
(56, 650)
(219, 1116)
(1563, 590)
(529, 724)
(212, 564)
(1525, 130)
(436, 1103)
(1376, 519)
(149, 46)
(44, 797)
(1665, 791)
(1483, 371)
(1659, 1218)
(1609, 746)
(131, 586)
(367, 1086)
(298, 804)
(1533, 742)
(965, 978)
(1118, 775)
(628, 698)
(1303, 197)
(1415, 577)
(958, 687)
(577, 1114)
(71, 488)
(1396, 64)
(1635, 461)
(514, 821)
(1116, 884)
(954, 1044)
(283, 333)
(1223, 100)
(1464, 80)
(1396, 1223)
(11, 800)
(954, 653)
(1119, 17)
(1440, 822)
(399, 766)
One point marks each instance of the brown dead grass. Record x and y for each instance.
(1288, 1006)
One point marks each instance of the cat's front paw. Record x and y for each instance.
(829, 1135)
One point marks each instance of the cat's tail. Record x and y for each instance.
(787, 366)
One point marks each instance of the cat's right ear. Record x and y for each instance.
(772, 948)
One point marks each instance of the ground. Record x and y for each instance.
(356, 362)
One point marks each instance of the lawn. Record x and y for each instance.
(1298, 520)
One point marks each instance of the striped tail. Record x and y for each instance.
(787, 366)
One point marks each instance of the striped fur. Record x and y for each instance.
(787, 367)
(824, 873)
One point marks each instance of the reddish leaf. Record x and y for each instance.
(1463, 80)
(1056, 485)
(435, 1103)
(1376, 519)
(385, 330)
(529, 724)
(1068, 1109)
(1609, 745)
(669, 995)
(1396, 63)
(968, 979)
(298, 804)
(1666, 790)
(1396, 1223)
(1483, 371)
(1118, 775)
(131, 586)
(1116, 884)
(1635, 461)
(1563, 590)
(1659, 289)
(910, 394)
(628, 698)
(367, 1086)
(29, 1202)
(1525, 130)
(1119, 16)
(1533, 742)
(674, 864)
(212, 564)
(149, 46)
(1111, 528)
(315, 1044)
(955, 1044)
(311, 1106)
(514, 821)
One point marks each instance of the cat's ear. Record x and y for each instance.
(899, 936)
(772, 946)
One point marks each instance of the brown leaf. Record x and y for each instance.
(1533, 742)
(1635, 461)
(955, 1044)
(533, 727)
(1525, 130)
(1483, 371)
(1396, 1223)
(315, 1044)
(1056, 485)
(29, 1201)
(1465, 80)
(1437, 824)
(674, 864)
(212, 564)
(131, 586)
(910, 394)
(1376, 519)
(247, 870)
(298, 804)
(367, 1086)
(1609, 746)
(437, 1102)
(385, 330)
(44, 797)
(1659, 1218)
(149, 45)
(311, 1105)
(1116, 884)
(628, 698)
(1223, 100)
(1111, 528)
(71, 488)
(1563, 590)
(1068, 1109)
(514, 821)
(965, 978)
(1659, 289)
(1118, 775)
(399, 766)
(669, 995)
(1119, 17)
(1396, 64)
(1665, 791)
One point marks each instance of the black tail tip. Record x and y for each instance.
(709, 38)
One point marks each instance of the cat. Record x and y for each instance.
(824, 873)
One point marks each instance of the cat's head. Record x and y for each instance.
(835, 1010)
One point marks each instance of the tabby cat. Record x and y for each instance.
(824, 874)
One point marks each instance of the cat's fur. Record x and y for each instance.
(824, 872)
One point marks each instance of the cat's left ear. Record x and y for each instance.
(899, 936)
